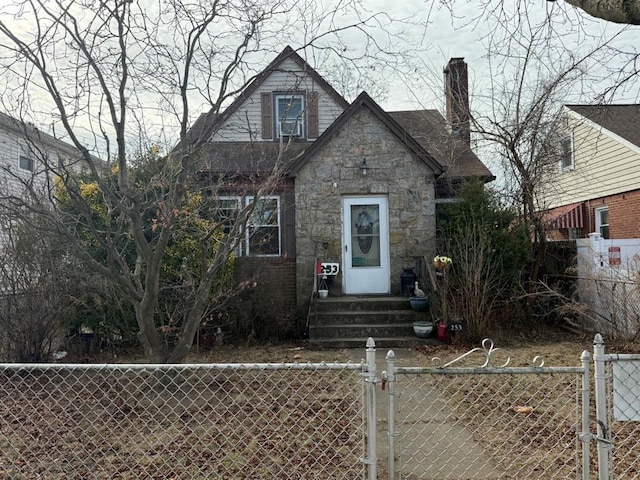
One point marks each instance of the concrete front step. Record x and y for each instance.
(362, 303)
(383, 342)
(361, 317)
(347, 322)
(362, 330)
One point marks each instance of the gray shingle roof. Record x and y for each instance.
(623, 120)
(245, 158)
(429, 128)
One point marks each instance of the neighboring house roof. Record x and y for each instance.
(206, 123)
(364, 100)
(34, 134)
(430, 129)
(621, 120)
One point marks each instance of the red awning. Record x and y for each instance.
(566, 216)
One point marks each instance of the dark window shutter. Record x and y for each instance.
(312, 107)
(267, 116)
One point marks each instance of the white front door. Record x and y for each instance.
(366, 245)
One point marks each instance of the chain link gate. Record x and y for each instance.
(617, 388)
(464, 419)
(232, 421)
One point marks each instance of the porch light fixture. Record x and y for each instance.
(364, 168)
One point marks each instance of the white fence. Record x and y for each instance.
(609, 285)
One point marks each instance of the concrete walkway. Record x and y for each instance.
(453, 455)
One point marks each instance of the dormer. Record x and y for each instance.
(289, 115)
(287, 101)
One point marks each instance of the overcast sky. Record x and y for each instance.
(464, 36)
(436, 34)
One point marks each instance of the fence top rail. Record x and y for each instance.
(183, 366)
(486, 370)
(621, 357)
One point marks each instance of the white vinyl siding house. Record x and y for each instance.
(603, 164)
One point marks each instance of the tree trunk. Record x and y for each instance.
(155, 348)
(618, 11)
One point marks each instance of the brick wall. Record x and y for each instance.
(624, 214)
(275, 275)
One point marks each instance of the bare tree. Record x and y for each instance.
(519, 123)
(121, 74)
(34, 299)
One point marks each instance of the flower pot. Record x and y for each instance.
(419, 304)
(423, 329)
(323, 293)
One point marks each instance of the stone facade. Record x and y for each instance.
(334, 172)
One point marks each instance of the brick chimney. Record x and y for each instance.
(456, 90)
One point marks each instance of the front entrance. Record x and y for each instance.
(366, 245)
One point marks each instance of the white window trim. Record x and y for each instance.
(599, 223)
(247, 252)
(572, 164)
(244, 247)
(300, 121)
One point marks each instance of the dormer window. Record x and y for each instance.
(289, 112)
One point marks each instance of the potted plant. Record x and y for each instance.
(442, 264)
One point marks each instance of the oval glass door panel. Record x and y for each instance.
(365, 236)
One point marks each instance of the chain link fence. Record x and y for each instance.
(288, 421)
(619, 417)
(468, 422)
(493, 419)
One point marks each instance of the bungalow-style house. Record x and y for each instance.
(358, 185)
(596, 185)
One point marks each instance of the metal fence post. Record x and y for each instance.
(370, 388)
(600, 379)
(389, 377)
(585, 438)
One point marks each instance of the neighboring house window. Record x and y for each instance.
(289, 111)
(602, 221)
(263, 229)
(262, 235)
(566, 153)
(26, 163)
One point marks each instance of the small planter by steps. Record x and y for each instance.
(419, 304)
(423, 329)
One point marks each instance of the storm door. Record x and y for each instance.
(366, 245)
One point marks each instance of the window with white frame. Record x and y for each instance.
(566, 153)
(602, 221)
(289, 112)
(26, 163)
(261, 237)
(263, 228)
(225, 212)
